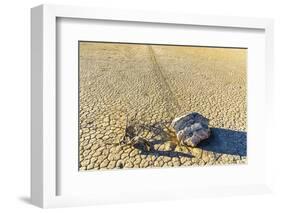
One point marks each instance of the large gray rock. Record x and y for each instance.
(191, 129)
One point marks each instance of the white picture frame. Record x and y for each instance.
(44, 154)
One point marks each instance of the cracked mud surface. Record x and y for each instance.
(152, 84)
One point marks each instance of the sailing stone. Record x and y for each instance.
(191, 129)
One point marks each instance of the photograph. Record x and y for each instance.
(161, 105)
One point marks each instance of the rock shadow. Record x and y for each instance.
(223, 141)
(226, 141)
(159, 153)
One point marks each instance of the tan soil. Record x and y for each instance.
(155, 83)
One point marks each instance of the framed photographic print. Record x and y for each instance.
(126, 102)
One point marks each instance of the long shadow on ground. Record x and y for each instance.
(226, 141)
(162, 153)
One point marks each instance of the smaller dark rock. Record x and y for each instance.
(142, 144)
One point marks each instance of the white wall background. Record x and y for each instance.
(15, 103)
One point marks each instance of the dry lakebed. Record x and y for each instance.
(129, 94)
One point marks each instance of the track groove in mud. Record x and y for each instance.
(172, 102)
